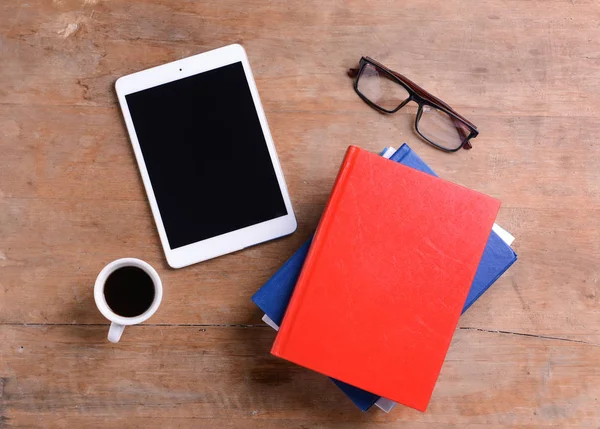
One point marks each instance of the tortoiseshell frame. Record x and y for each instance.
(419, 96)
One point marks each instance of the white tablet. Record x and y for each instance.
(206, 156)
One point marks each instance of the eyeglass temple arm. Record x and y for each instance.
(353, 72)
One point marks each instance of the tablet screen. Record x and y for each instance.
(206, 155)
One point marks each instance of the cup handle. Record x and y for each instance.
(115, 332)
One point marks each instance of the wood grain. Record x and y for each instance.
(526, 73)
(222, 376)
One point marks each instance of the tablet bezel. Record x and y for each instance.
(234, 240)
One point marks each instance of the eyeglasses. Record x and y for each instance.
(389, 91)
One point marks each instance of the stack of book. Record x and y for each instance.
(373, 299)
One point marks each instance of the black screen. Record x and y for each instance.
(206, 155)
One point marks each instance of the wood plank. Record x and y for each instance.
(215, 375)
(551, 291)
(84, 48)
(547, 161)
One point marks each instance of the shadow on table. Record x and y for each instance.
(289, 388)
(83, 314)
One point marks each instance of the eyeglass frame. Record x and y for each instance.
(419, 96)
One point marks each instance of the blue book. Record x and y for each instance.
(274, 296)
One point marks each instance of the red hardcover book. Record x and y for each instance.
(386, 278)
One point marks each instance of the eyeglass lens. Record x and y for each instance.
(380, 89)
(441, 128)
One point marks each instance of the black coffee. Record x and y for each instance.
(129, 291)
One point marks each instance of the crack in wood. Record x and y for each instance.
(192, 325)
(523, 334)
(262, 326)
(3, 418)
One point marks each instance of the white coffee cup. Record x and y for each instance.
(119, 322)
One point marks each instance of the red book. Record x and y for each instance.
(386, 278)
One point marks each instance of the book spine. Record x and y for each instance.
(313, 254)
(401, 153)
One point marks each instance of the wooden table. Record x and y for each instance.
(526, 355)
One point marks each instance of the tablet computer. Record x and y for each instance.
(206, 156)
